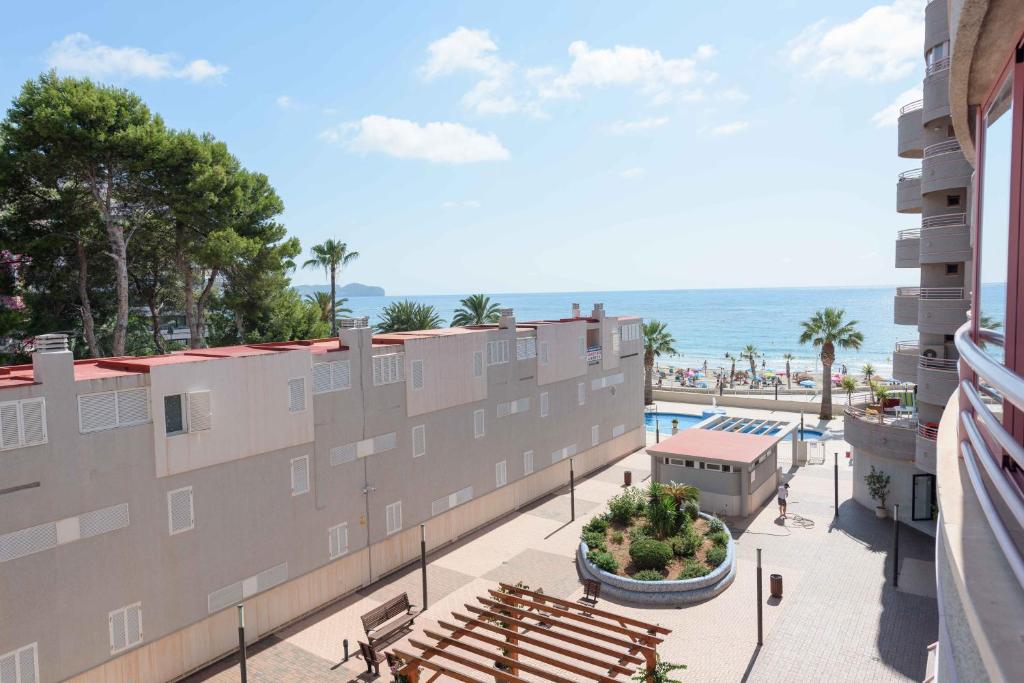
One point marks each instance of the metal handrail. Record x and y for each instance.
(937, 66)
(941, 292)
(912, 106)
(878, 418)
(912, 174)
(944, 147)
(909, 234)
(945, 220)
(944, 364)
(908, 291)
(974, 447)
(912, 345)
(930, 433)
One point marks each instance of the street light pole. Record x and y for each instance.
(241, 643)
(572, 491)
(423, 561)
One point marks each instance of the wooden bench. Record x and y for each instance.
(592, 592)
(391, 617)
(371, 657)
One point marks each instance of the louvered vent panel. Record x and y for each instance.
(118, 635)
(224, 597)
(338, 540)
(97, 411)
(528, 462)
(268, 578)
(300, 475)
(132, 407)
(343, 454)
(33, 420)
(438, 506)
(463, 495)
(521, 406)
(10, 434)
(618, 430)
(200, 411)
(179, 510)
(417, 374)
(321, 377)
(9, 668)
(103, 521)
(342, 375)
(570, 451)
(544, 404)
(384, 442)
(478, 364)
(27, 664)
(24, 542)
(297, 394)
(504, 409)
(133, 624)
(419, 441)
(500, 474)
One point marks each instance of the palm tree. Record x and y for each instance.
(332, 256)
(657, 341)
(751, 354)
(987, 322)
(476, 309)
(826, 330)
(789, 376)
(732, 372)
(408, 316)
(322, 300)
(868, 370)
(681, 492)
(849, 385)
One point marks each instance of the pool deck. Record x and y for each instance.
(838, 620)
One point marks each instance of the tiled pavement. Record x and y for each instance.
(839, 618)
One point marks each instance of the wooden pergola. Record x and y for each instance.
(532, 636)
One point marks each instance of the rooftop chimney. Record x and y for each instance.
(575, 310)
(353, 323)
(506, 319)
(52, 362)
(598, 311)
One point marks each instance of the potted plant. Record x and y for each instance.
(675, 426)
(878, 487)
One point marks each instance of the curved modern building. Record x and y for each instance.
(980, 437)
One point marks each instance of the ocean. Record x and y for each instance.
(707, 323)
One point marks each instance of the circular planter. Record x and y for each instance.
(669, 593)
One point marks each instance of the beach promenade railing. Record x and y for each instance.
(875, 417)
(911, 106)
(991, 455)
(738, 391)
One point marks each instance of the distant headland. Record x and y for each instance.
(349, 289)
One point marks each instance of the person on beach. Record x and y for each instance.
(783, 495)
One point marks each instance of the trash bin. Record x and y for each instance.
(627, 478)
(776, 585)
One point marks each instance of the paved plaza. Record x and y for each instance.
(839, 618)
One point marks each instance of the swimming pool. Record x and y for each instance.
(686, 421)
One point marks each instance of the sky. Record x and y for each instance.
(534, 146)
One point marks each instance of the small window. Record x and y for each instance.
(393, 517)
(544, 404)
(337, 541)
(713, 466)
(125, 627)
(689, 463)
(952, 268)
(952, 200)
(726, 468)
(478, 364)
(174, 414)
(478, 424)
(528, 462)
(700, 465)
(180, 511)
(581, 392)
(500, 475)
(419, 441)
(300, 475)
(21, 665)
(595, 435)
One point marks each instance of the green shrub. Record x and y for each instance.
(598, 524)
(715, 525)
(650, 554)
(692, 569)
(716, 555)
(686, 545)
(618, 537)
(720, 538)
(648, 575)
(623, 508)
(603, 560)
(661, 515)
(683, 523)
(639, 533)
(692, 509)
(594, 540)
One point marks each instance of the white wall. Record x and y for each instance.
(447, 371)
(564, 358)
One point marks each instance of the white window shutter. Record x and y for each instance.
(321, 377)
(393, 514)
(581, 393)
(543, 353)
(118, 633)
(341, 377)
(478, 364)
(200, 411)
(132, 407)
(133, 624)
(180, 511)
(33, 421)
(297, 394)
(528, 462)
(10, 425)
(97, 411)
(419, 441)
(378, 374)
(500, 474)
(581, 345)
(544, 404)
(478, 424)
(595, 435)
(417, 374)
(300, 475)
(337, 537)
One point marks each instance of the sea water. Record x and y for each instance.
(708, 323)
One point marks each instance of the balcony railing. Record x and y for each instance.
(944, 364)
(908, 291)
(937, 66)
(927, 431)
(979, 428)
(946, 220)
(905, 346)
(913, 106)
(909, 234)
(944, 147)
(912, 174)
(594, 355)
(879, 418)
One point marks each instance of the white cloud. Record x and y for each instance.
(78, 54)
(633, 173)
(882, 44)
(467, 204)
(891, 114)
(626, 127)
(730, 128)
(286, 102)
(439, 141)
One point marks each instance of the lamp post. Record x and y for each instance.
(572, 491)
(423, 561)
(241, 643)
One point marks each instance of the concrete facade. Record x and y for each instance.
(300, 472)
